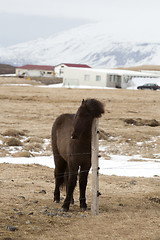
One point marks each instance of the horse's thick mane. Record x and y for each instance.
(95, 107)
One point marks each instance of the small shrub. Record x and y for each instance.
(22, 154)
(33, 147)
(13, 133)
(13, 142)
(34, 140)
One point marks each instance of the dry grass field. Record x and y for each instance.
(129, 207)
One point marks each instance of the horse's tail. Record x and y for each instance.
(60, 164)
(61, 177)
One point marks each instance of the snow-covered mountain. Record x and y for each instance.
(89, 44)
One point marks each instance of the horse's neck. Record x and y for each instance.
(88, 132)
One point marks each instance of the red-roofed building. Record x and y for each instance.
(35, 71)
(59, 69)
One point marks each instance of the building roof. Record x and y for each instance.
(37, 67)
(75, 65)
(120, 72)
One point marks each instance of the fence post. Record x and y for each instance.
(95, 169)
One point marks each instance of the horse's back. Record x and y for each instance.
(63, 119)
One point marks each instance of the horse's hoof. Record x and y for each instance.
(65, 209)
(56, 201)
(84, 209)
(72, 201)
(83, 206)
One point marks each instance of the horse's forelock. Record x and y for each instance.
(95, 107)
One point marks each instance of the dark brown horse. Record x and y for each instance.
(71, 144)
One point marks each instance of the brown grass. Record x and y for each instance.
(13, 142)
(129, 207)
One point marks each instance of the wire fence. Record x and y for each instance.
(133, 166)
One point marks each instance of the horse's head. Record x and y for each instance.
(88, 110)
(81, 121)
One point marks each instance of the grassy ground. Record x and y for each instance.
(129, 207)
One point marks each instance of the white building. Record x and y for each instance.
(35, 71)
(101, 77)
(59, 69)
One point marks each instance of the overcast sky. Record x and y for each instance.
(23, 20)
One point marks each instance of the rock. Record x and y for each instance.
(121, 205)
(21, 197)
(51, 214)
(20, 213)
(15, 209)
(44, 211)
(26, 204)
(133, 182)
(28, 222)
(11, 228)
(43, 191)
(31, 213)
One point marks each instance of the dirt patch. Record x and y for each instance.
(142, 122)
(47, 80)
(16, 80)
(129, 207)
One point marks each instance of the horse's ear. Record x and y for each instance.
(83, 102)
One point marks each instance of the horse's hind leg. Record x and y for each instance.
(60, 167)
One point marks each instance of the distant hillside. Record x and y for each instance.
(6, 69)
(89, 44)
(143, 67)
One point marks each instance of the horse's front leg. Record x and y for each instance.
(82, 185)
(66, 183)
(72, 180)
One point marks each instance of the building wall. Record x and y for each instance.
(59, 70)
(100, 77)
(84, 77)
(151, 71)
(34, 73)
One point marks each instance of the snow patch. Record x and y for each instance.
(118, 165)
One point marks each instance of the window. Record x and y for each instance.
(86, 77)
(42, 73)
(61, 70)
(114, 78)
(98, 78)
(111, 78)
